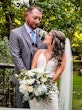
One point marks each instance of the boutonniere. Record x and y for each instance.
(42, 33)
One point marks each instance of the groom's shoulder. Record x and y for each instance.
(18, 28)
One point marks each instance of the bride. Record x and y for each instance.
(54, 59)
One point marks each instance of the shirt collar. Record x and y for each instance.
(28, 29)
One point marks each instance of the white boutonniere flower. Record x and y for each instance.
(42, 33)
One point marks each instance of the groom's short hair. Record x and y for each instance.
(30, 8)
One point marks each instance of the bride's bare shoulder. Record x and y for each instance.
(38, 52)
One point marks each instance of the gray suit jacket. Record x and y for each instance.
(22, 48)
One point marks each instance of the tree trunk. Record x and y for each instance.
(9, 16)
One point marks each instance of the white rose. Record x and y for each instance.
(30, 88)
(43, 79)
(31, 73)
(30, 81)
(26, 73)
(23, 81)
(40, 71)
(23, 88)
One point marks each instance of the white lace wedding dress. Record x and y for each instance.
(53, 95)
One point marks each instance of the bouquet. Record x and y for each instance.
(34, 84)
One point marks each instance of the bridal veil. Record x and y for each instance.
(66, 81)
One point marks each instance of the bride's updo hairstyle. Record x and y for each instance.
(58, 42)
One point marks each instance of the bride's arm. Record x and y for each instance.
(59, 69)
(35, 58)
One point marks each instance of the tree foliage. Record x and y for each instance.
(60, 14)
(5, 55)
(66, 16)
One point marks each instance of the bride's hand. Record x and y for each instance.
(54, 78)
(53, 81)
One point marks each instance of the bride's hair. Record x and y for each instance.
(58, 43)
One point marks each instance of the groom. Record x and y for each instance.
(24, 42)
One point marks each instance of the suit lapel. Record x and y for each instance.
(37, 38)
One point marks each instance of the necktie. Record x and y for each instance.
(33, 36)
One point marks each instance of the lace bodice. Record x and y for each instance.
(50, 66)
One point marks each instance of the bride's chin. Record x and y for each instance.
(45, 42)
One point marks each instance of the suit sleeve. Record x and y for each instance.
(15, 50)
